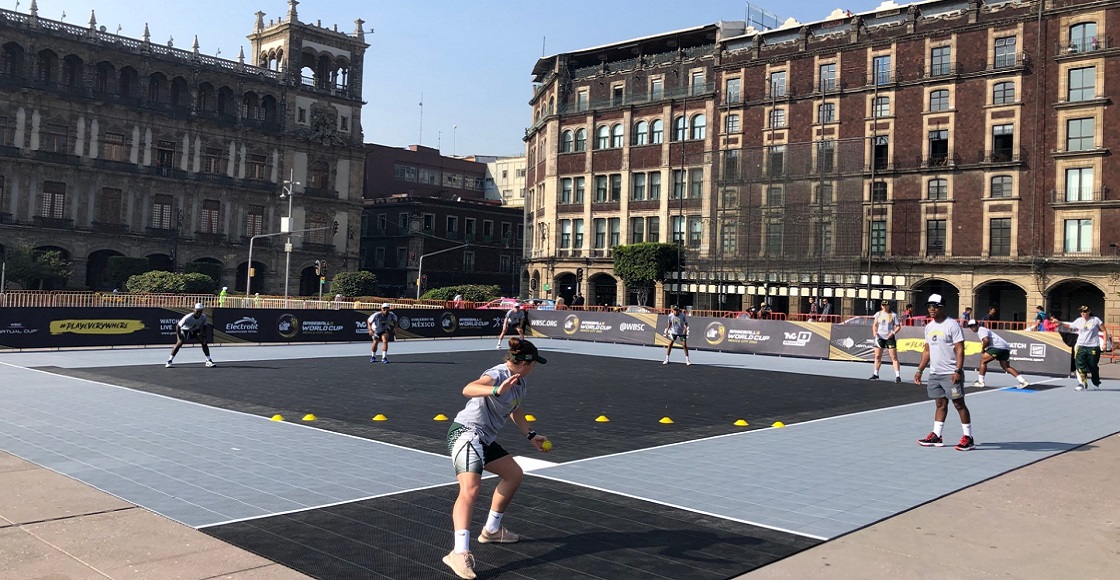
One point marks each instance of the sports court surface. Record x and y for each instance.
(347, 497)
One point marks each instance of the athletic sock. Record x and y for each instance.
(967, 427)
(937, 427)
(462, 540)
(493, 522)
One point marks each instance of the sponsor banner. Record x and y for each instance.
(778, 337)
(1031, 352)
(81, 327)
(280, 325)
(441, 323)
(620, 327)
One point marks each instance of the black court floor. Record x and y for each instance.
(571, 531)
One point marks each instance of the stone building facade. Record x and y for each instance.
(958, 147)
(112, 145)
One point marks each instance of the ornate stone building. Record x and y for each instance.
(953, 146)
(119, 146)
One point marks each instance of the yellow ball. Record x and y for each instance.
(546, 446)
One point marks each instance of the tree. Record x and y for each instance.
(121, 268)
(642, 265)
(353, 284)
(30, 267)
(470, 292)
(159, 282)
(214, 271)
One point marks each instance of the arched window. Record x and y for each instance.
(656, 131)
(1001, 186)
(581, 140)
(679, 127)
(641, 133)
(616, 136)
(602, 137)
(1003, 93)
(318, 175)
(939, 100)
(566, 142)
(699, 126)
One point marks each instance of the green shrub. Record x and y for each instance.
(352, 284)
(121, 268)
(159, 282)
(196, 283)
(214, 271)
(470, 292)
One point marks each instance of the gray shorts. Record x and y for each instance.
(943, 387)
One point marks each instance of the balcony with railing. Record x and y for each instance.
(569, 208)
(53, 223)
(318, 247)
(939, 160)
(113, 165)
(1074, 49)
(210, 238)
(943, 70)
(320, 193)
(1008, 62)
(1080, 196)
(1004, 156)
(9, 151)
(57, 157)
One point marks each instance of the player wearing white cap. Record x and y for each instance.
(191, 327)
(944, 354)
(381, 326)
(1087, 351)
(994, 348)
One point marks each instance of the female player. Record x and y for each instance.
(495, 395)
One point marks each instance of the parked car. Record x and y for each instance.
(539, 304)
(501, 304)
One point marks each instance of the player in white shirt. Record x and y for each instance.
(944, 355)
(1087, 353)
(515, 321)
(190, 328)
(994, 348)
(381, 326)
(883, 328)
(676, 328)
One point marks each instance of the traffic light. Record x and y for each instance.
(579, 272)
(317, 265)
(334, 228)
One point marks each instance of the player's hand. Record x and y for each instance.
(509, 383)
(918, 378)
(538, 441)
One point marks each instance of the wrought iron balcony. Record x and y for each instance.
(54, 223)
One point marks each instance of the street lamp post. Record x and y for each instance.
(249, 269)
(420, 267)
(286, 228)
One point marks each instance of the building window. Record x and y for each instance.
(567, 142)
(826, 113)
(939, 100)
(1001, 186)
(937, 189)
(654, 185)
(165, 154)
(695, 231)
(827, 77)
(653, 229)
(161, 212)
(468, 261)
(213, 161)
(379, 257)
(56, 139)
(1079, 184)
(824, 194)
(776, 160)
(638, 186)
(402, 257)
(881, 107)
(616, 136)
(301, 115)
(656, 89)
(730, 163)
(731, 123)
(578, 195)
(878, 192)
(615, 228)
(109, 205)
(879, 237)
(777, 118)
(505, 264)
(616, 187)
(256, 167)
(600, 188)
(999, 237)
(488, 229)
(939, 64)
(54, 200)
(699, 127)
(1083, 37)
(318, 175)
(678, 229)
(880, 152)
(1078, 236)
(600, 233)
(578, 241)
(935, 237)
(254, 221)
(469, 228)
(881, 69)
(7, 132)
(637, 231)
(112, 148)
(678, 184)
(680, 127)
(1003, 143)
(824, 241)
(583, 101)
(695, 183)
(602, 137)
(699, 87)
(938, 147)
(617, 95)
(210, 216)
(774, 234)
(565, 234)
(656, 131)
(1005, 52)
(729, 238)
(1082, 83)
(826, 155)
(778, 84)
(641, 133)
(581, 140)
(774, 196)
(733, 91)
(1080, 134)
(452, 225)
(1003, 93)
(566, 190)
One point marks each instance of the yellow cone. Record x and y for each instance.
(380, 417)
(665, 420)
(740, 423)
(778, 424)
(309, 417)
(440, 417)
(277, 418)
(602, 419)
(530, 418)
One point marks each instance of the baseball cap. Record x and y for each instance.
(386, 305)
(935, 299)
(884, 303)
(973, 322)
(199, 306)
(1084, 309)
(529, 353)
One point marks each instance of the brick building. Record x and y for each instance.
(112, 145)
(959, 147)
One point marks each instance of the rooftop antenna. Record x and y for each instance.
(421, 142)
(544, 40)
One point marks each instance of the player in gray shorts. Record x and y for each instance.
(944, 355)
(493, 397)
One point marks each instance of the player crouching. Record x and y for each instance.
(191, 328)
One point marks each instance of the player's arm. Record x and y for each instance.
(486, 386)
(958, 349)
(518, 416)
(369, 326)
(922, 365)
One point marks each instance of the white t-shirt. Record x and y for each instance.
(382, 322)
(678, 323)
(885, 322)
(994, 340)
(940, 338)
(486, 415)
(1088, 331)
(189, 322)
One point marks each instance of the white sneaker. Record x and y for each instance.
(665, 362)
(1080, 387)
(1022, 385)
(979, 384)
(167, 366)
(687, 363)
(209, 363)
(499, 345)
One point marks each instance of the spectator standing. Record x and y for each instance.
(966, 316)
(826, 309)
(578, 300)
(458, 300)
(222, 296)
(990, 316)
(904, 319)
(1040, 318)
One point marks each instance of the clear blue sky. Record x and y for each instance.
(471, 60)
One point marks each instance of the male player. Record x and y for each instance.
(1087, 355)
(944, 354)
(190, 328)
(381, 326)
(994, 348)
(514, 321)
(883, 329)
(676, 328)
